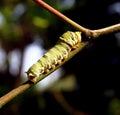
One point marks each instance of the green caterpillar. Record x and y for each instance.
(66, 43)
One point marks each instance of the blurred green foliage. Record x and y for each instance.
(114, 107)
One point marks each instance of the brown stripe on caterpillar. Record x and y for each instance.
(67, 42)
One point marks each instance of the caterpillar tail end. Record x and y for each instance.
(31, 77)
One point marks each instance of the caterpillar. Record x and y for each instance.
(66, 43)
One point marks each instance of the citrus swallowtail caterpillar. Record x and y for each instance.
(66, 43)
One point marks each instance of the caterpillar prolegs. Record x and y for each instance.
(66, 43)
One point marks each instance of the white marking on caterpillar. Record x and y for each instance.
(67, 42)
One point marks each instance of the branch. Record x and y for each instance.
(88, 32)
(63, 17)
(107, 30)
(12, 94)
(20, 89)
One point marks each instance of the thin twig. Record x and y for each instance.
(88, 32)
(107, 30)
(15, 92)
(63, 17)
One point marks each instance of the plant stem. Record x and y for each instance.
(20, 89)
(107, 30)
(88, 32)
(63, 17)
(13, 93)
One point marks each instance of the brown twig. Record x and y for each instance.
(88, 32)
(107, 30)
(63, 17)
(15, 92)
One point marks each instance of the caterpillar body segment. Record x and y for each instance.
(67, 42)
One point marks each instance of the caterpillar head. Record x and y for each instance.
(72, 38)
